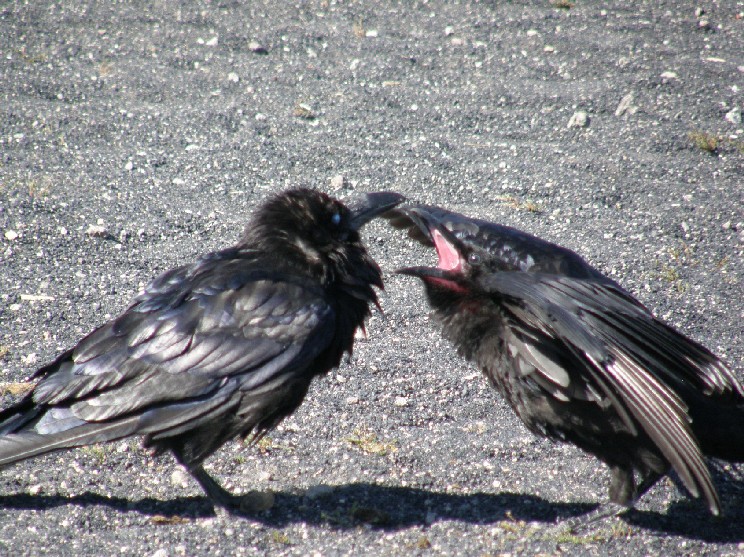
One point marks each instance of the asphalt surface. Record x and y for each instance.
(136, 136)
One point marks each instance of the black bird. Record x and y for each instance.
(577, 357)
(225, 347)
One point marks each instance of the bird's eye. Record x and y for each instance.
(336, 218)
(474, 259)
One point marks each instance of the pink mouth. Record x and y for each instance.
(449, 259)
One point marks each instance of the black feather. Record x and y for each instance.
(224, 347)
(577, 357)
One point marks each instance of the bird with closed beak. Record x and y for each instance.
(222, 348)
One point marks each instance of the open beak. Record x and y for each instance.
(451, 264)
(367, 206)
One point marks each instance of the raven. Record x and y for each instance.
(222, 348)
(577, 357)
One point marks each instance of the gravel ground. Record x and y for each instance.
(136, 136)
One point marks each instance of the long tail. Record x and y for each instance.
(27, 431)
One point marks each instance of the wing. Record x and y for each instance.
(611, 314)
(625, 357)
(195, 336)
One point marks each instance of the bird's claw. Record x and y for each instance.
(246, 504)
(582, 524)
(255, 501)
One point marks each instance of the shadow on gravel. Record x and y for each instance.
(682, 520)
(392, 508)
(689, 518)
(346, 506)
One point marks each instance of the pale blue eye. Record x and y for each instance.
(336, 218)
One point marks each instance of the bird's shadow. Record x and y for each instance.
(394, 508)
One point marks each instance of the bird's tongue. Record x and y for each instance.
(449, 259)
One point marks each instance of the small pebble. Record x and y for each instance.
(580, 119)
(625, 105)
(734, 116)
(11, 235)
(338, 182)
(179, 478)
(96, 231)
(304, 111)
(257, 48)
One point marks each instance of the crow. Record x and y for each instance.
(577, 357)
(222, 348)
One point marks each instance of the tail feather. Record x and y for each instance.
(15, 447)
(29, 430)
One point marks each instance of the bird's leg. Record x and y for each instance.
(581, 523)
(623, 495)
(646, 484)
(251, 502)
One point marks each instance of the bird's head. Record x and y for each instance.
(465, 247)
(315, 232)
(469, 248)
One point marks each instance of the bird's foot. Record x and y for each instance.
(255, 501)
(224, 501)
(583, 523)
(246, 504)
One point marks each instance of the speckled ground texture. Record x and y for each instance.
(136, 136)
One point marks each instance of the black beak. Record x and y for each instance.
(412, 218)
(421, 221)
(367, 206)
(437, 278)
(423, 272)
